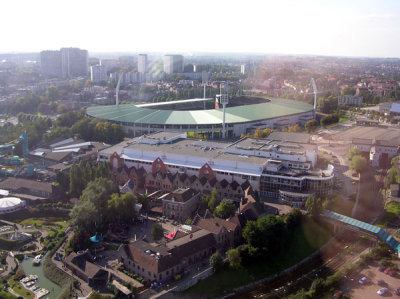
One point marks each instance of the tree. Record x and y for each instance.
(293, 218)
(99, 192)
(75, 180)
(392, 177)
(314, 206)
(62, 109)
(267, 234)
(157, 232)
(358, 164)
(329, 119)
(225, 210)
(63, 179)
(311, 126)
(69, 118)
(57, 132)
(108, 132)
(122, 206)
(327, 105)
(234, 258)
(213, 200)
(348, 90)
(353, 152)
(52, 93)
(85, 218)
(216, 262)
(295, 129)
(83, 128)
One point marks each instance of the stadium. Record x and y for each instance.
(205, 116)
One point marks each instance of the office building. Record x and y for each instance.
(50, 64)
(66, 63)
(142, 63)
(173, 64)
(74, 62)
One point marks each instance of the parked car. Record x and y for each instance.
(390, 272)
(363, 280)
(382, 291)
(397, 291)
(381, 268)
(381, 282)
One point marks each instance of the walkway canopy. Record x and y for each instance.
(368, 228)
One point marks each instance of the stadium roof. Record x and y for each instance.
(130, 113)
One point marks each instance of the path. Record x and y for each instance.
(11, 264)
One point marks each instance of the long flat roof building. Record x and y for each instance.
(288, 158)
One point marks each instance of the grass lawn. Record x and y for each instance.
(302, 242)
(20, 290)
(6, 295)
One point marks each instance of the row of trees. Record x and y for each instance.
(35, 128)
(80, 175)
(83, 173)
(45, 103)
(75, 123)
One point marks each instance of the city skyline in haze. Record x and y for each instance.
(334, 28)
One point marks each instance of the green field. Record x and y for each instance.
(20, 290)
(302, 242)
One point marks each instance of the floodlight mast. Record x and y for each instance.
(204, 79)
(315, 95)
(224, 99)
(117, 89)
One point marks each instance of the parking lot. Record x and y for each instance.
(369, 289)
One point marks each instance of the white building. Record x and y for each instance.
(350, 100)
(142, 63)
(173, 64)
(98, 73)
(11, 204)
(380, 152)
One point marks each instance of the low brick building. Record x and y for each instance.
(180, 204)
(156, 262)
(82, 266)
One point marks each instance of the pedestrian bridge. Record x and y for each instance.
(356, 225)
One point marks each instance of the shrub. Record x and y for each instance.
(19, 274)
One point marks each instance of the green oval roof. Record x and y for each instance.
(130, 113)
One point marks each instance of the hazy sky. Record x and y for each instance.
(336, 27)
